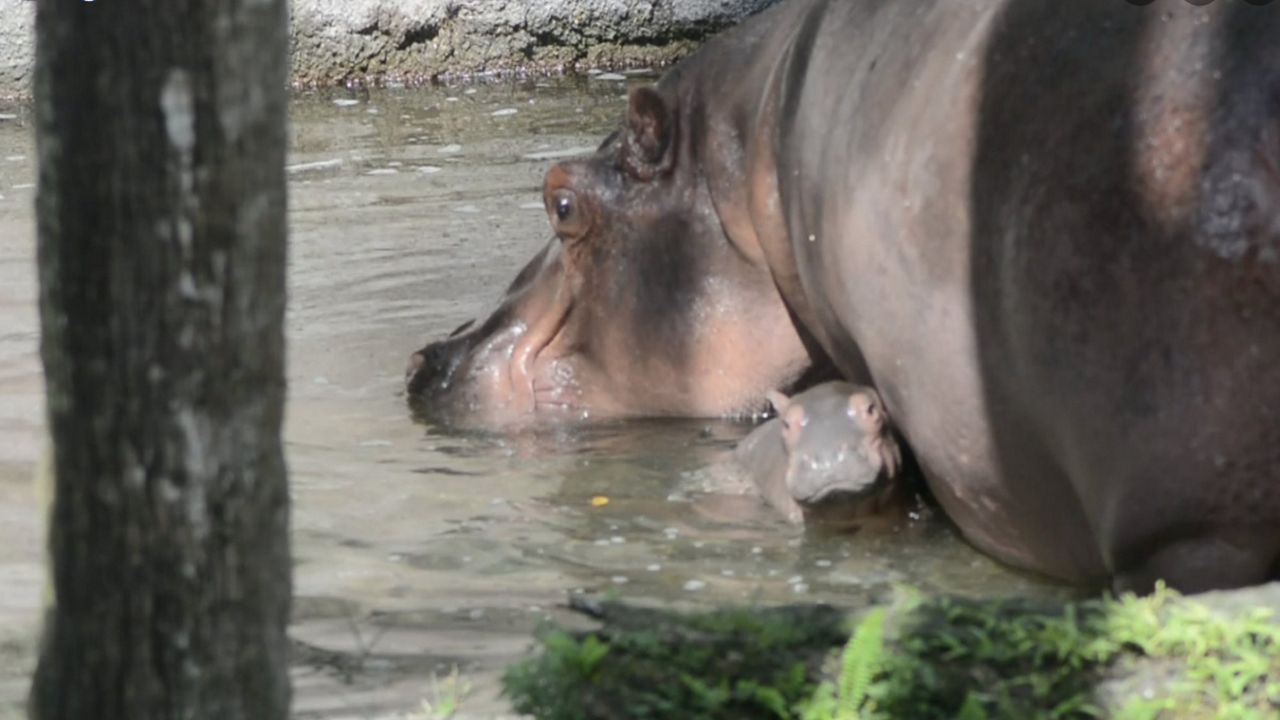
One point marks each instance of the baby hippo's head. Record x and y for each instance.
(838, 442)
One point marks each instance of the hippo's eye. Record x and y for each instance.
(568, 217)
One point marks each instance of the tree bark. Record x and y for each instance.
(161, 224)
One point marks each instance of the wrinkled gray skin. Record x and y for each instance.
(1047, 232)
(829, 457)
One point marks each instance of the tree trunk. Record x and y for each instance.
(161, 209)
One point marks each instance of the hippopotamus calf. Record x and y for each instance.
(828, 458)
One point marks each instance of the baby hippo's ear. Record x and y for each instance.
(890, 455)
(865, 409)
(778, 401)
(793, 420)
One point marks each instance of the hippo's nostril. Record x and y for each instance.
(431, 366)
(416, 361)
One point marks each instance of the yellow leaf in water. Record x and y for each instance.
(599, 501)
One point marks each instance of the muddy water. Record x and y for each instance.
(419, 550)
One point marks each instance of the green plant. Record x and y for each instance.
(739, 664)
(920, 658)
(1012, 659)
(860, 663)
(446, 698)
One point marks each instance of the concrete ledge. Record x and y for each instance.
(413, 41)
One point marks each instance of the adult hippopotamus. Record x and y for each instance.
(829, 458)
(1047, 232)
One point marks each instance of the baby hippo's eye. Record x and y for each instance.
(567, 215)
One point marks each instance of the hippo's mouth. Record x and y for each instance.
(516, 365)
(834, 481)
(538, 377)
(841, 493)
(847, 477)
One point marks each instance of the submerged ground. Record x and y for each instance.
(419, 550)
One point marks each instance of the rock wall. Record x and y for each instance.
(371, 41)
(17, 47)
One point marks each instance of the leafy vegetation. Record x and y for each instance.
(738, 664)
(921, 658)
(1013, 660)
(447, 697)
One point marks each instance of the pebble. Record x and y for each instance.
(694, 585)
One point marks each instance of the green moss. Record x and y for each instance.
(920, 658)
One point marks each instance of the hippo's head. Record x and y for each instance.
(640, 306)
(838, 443)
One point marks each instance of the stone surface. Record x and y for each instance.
(17, 47)
(368, 41)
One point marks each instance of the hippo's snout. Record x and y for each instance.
(432, 368)
(846, 472)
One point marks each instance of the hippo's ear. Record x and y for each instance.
(649, 145)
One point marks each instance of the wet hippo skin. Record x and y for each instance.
(828, 458)
(1048, 233)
